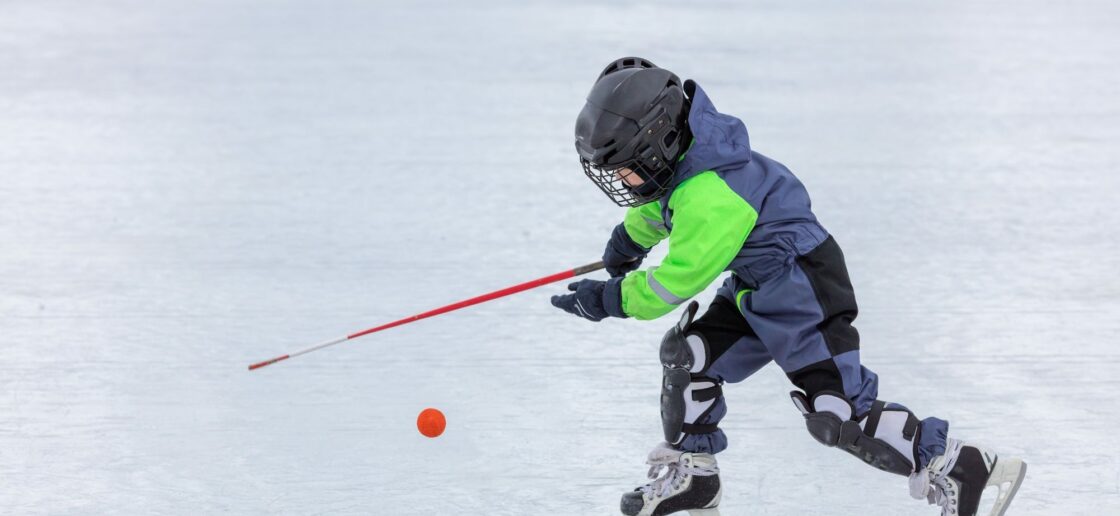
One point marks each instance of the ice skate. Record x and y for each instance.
(690, 483)
(957, 479)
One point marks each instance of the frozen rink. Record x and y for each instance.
(190, 187)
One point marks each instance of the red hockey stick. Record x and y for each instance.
(578, 271)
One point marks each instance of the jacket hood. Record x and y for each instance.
(721, 141)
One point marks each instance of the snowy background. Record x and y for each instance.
(190, 187)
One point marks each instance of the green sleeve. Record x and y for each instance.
(644, 224)
(710, 224)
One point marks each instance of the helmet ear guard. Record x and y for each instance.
(663, 135)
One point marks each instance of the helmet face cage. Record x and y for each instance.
(612, 181)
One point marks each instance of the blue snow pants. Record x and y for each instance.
(801, 319)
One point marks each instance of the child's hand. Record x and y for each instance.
(622, 254)
(593, 300)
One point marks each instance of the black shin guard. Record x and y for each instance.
(886, 437)
(686, 395)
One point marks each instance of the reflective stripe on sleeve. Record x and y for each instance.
(661, 291)
(657, 224)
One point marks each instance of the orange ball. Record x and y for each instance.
(431, 422)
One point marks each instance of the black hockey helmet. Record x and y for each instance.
(635, 119)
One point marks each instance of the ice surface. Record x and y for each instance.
(189, 187)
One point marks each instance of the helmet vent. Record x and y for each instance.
(624, 63)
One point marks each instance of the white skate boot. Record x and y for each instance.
(690, 483)
(956, 480)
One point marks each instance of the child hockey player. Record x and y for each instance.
(688, 174)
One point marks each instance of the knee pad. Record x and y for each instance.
(686, 395)
(886, 437)
(683, 350)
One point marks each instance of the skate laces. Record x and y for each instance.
(935, 486)
(664, 457)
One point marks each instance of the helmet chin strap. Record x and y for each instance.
(645, 189)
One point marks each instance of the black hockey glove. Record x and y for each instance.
(622, 254)
(593, 300)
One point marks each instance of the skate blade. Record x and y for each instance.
(704, 512)
(1007, 476)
